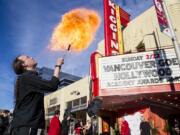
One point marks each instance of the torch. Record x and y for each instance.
(66, 51)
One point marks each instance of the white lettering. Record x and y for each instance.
(113, 27)
(158, 5)
(114, 35)
(111, 4)
(112, 11)
(114, 44)
(112, 19)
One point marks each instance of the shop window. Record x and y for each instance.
(69, 104)
(76, 102)
(84, 100)
(52, 109)
(53, 101)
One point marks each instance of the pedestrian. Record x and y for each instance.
(176, 127)
(145, 127)
(66, 122)
(55, 125)
(123, 126)
(4, 122)
(79, 128)
(87, 128)
(28, 115)
(2, 125)
(94, 125)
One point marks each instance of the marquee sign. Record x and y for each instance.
(138, 70)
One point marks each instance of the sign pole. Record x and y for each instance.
(174, 38)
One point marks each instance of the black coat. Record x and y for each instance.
(29, 108)
(4, 124)
(65, 127)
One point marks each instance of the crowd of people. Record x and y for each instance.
(146, 128)
(70, 125)
(28, 114)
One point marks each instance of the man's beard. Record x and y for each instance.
(35, 65)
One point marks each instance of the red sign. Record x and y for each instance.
(94, 73)
(163, 23)
(124, 17)
(112, 26)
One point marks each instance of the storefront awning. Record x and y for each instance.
(169, 102)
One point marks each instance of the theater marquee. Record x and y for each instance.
(139, 70)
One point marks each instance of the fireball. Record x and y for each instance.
(77, 28)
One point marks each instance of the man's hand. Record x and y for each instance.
(57, 69)
(60, 61)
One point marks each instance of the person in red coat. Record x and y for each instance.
(123, 126)
(55, 125)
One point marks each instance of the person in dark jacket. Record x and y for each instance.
(145, 127)
(28, 115)
(66, 122)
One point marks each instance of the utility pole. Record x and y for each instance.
(174, 38)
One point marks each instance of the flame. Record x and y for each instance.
(77, 29)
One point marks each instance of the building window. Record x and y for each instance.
(76, 102)
(84, 100)
(52, 109)
(69, 104)
(53, 101)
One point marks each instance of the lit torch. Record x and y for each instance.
(69, 46)
(76, 29)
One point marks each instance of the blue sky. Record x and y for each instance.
(26, 27)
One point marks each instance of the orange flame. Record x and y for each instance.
(77, 29)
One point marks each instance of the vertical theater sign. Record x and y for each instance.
(114, 18)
